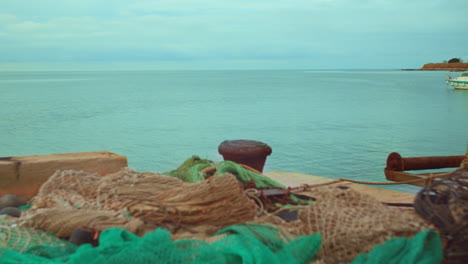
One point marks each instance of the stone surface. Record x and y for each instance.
(23, 175)
(294, 179)
(11, 211)
(12, 200)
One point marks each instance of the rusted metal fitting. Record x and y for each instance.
(396, 162)
(84, 235)
(248, 152)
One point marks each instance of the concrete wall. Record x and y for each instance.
(23, 175)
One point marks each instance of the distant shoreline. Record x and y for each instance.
(456, 66)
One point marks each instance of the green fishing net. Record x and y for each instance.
(249, 243)
(256, 243)
(191, 171)
(424, 248)
(244, 175)
(242, 244)
(15, 239)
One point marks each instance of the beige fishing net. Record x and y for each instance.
(218, 201)
(127, 199)
(62, 221)
(351, 223)
(79, 189)
(19, 238)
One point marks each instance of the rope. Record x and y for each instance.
(213, 168)
(294, 207)
(262, 238)
(428, 180)
(250, 169)
(252, 193)
(161, 207)
(208, 169)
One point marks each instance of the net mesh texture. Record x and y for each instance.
(146, 217)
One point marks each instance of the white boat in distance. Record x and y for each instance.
(461, 82)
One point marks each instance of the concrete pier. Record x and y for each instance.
(23, 175)
(294, 179)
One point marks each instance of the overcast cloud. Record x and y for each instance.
(217, 34)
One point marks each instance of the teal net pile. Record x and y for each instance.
(247, 244)
(240, 244)
(424, 248)
(32, 242)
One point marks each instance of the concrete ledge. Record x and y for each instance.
(23, 175)
(294, 179)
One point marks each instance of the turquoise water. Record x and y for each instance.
(339, 124)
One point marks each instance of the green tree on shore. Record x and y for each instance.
(455, 60)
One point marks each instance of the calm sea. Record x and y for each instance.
(333, 123)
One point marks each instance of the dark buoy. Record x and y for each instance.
(12, 200)
(247, 152)
(11, 211)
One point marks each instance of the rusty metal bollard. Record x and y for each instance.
(248, 152)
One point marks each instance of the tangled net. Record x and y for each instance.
(349, 223)
(129, 199)
(62, 221)
(445, 204)
(24, 239)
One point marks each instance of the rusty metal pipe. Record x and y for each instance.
(396, 162)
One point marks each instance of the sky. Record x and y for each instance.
(235, 34)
